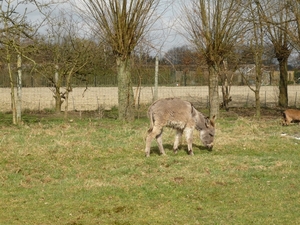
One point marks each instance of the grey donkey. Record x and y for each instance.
(183, 117)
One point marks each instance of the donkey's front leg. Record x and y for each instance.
(177, 140)
(189, 140)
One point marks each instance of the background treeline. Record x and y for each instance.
(112, 42)
(174, 65)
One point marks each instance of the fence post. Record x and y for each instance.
(73, 103)
(265, 98)
(207, 102)
(19, 89)
(98, 104)
(155, 96)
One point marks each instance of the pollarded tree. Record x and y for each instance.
(122, 25)
(214, 27)
(294, 31)
(275, 15)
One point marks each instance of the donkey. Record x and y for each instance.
(182, 116)
(290, 115)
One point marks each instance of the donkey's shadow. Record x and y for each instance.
(169, 149)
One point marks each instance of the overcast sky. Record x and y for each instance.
(164, 36)
(169, 31)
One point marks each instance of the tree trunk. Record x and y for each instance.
(125, 91)
(213, 92)
(68, 90)
(283, 83)
(58, 101)
(57, 96)
(226, 92)
(66, 104)
(66, 95)
(258, 81)
(19, 91)
(226, 85)
(257, 103)
(12, 93)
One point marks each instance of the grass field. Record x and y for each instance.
(93, 171)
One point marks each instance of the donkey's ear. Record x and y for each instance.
(207, 122)
(212, 120)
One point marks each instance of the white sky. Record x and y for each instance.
(164, 36)
(169, 30)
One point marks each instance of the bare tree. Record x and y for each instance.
(256, 47)
(293, 7)
(122, 24)
(214, 27)
(276, 17)
(16, 37)
(293, 32)
(63, 55)
(14, 29)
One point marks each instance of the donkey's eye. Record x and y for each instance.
(210, 134)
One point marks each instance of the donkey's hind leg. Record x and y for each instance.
(154, 132)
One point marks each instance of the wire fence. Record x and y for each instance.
(93, 98)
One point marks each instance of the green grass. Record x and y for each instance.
(93, 171)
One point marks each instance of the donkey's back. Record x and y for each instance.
(171, 112)
(181, 116)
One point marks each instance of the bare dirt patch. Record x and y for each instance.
(93, 98)
(266, 113)
(234, 112)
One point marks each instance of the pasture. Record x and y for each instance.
(92, 170)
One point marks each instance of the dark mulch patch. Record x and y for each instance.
(266, 113)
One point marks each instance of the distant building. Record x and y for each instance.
(183, 78)
(276, 77)
(244, 75)
(270, 76)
